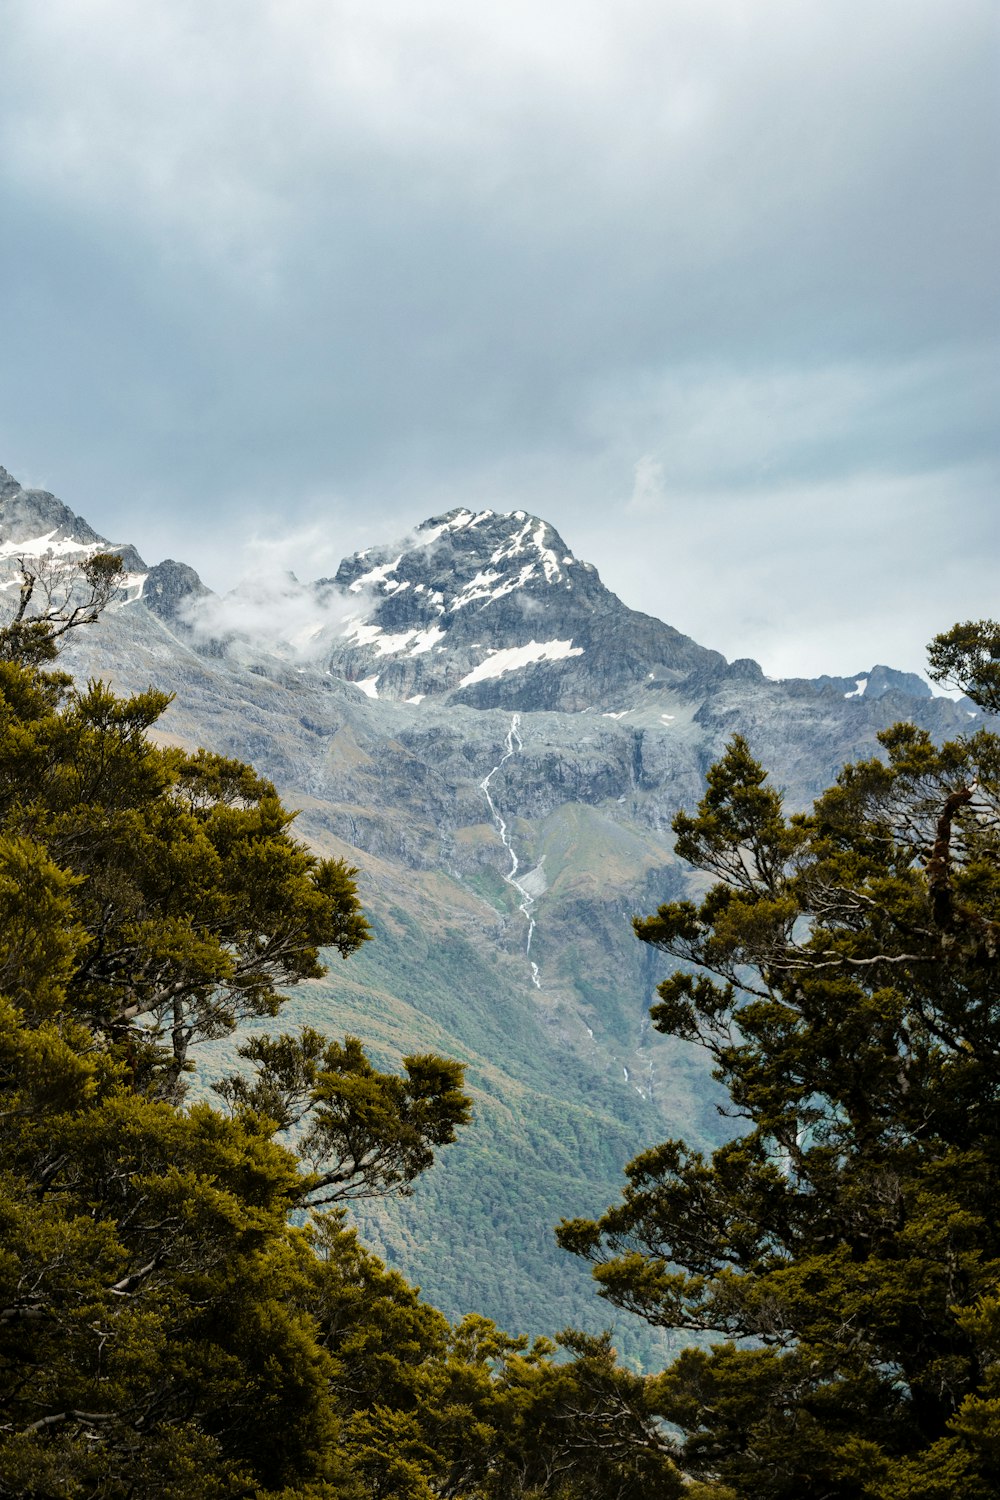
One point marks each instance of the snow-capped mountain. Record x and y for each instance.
(495, 611)
(483, 608)
(35, 525)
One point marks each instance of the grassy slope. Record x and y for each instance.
(555, 1118)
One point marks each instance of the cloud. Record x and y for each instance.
(270, 612)
(274, 616)
(364, 262)
(265, 554)
(648, 486)
(817, 574)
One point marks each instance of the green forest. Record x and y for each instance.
(185, 1307)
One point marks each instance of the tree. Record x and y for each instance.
(364, 1133)
(152, 1292)
(470, 1411)
(968, 656)
(196, 902)
(841, 972)
(55, 597)
(184, 1312)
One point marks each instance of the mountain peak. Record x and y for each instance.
(479, 556)
(507, 536)
(492, 609)
(36, 520)
(33, 523)
(8, 484)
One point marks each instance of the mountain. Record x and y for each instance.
(34, 523)
(494, 611)
(500, 744)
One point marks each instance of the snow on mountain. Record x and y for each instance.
(484, 608)
(34, 524)
(493, 610)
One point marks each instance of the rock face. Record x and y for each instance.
(36, 516)
(876, 683)
(170, 589)
(499, 744)
(35, 524)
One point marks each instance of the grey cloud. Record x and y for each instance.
(273, 264)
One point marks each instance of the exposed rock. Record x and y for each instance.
(170, 586)
(45, 527)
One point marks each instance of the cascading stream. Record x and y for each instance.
(513, 744)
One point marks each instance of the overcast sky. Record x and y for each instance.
(709, 284)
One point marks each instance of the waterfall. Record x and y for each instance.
(513, 745)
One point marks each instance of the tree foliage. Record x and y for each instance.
(968, 657)
(184, 1311)
(193, 901)
(363, 1133)
(841, 971)
(55, 597)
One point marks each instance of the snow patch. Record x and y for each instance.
(387, 645)
(528, 571)
(425, 639)
(132, 581)
(373, 635)
(515, 546)
(480, 587)
(368, 686)
(516, 657)
(534, 883)
(375, 575)
(549, 560)
(527, 539)
(859, 686)
(44, 546)
(362, 634)
(417, 698)
(463, 520)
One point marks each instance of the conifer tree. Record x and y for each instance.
(837, 1262)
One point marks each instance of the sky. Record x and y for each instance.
(710, 285)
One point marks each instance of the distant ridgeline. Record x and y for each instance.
(500, 745)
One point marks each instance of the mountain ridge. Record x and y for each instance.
(404, 621)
